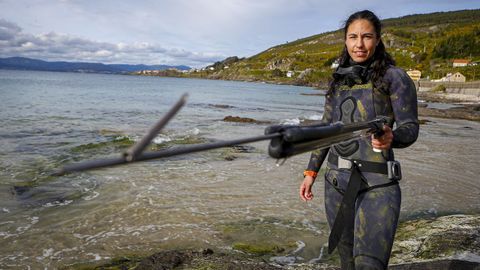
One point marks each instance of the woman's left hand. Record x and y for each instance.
(385, 141)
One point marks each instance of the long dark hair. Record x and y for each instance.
(381, 59)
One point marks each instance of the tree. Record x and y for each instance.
(456, 46)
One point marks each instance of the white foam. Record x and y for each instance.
(58, 203)
(33, 221)
(46, 253)
(314, 117)
(294, 121)
(300, 246)
(194, 131)
(92, 196)
(161, 139)
(468, 256)
(96, 256)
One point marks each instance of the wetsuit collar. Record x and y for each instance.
(354, 73)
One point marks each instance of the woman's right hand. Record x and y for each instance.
(306, 188)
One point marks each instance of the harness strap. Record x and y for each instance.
(346, 214)
(356, 184)
(364, 166)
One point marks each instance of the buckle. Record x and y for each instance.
(394, 170)
(344, 163)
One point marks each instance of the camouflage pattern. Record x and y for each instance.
(370, 240)
(367, 244)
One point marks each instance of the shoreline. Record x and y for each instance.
(465, 107)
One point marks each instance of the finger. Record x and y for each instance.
(302, 192)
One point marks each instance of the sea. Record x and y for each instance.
(215, 199)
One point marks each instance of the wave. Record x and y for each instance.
(302, 120)
(115, 142)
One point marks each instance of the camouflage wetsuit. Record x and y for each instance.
(367, 243)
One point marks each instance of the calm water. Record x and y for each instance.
(51, 119)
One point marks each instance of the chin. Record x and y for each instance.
(359, 60)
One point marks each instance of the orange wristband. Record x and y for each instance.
(310, 173)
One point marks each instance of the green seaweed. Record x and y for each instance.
(119, 263)
(258, 249)
(271, 236)
(117, 142)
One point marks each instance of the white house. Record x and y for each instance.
(455, 77)
(460, 62)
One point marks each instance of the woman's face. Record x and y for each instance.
(361, 40)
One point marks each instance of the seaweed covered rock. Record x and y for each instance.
(238, 119)
(455, 237)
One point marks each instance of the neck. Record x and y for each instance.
(364, 63)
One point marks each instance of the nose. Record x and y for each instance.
(359, 42)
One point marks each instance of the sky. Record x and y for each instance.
(179, 32)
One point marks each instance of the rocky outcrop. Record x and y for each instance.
(430, 96)
(281, 64)
(468, 112)
(449, 242)
(238, 119)
(448, 238)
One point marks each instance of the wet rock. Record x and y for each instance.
(243, 149)
(258, 249)
(423, 121)
(446, 97)
(232, 153)
(164, 260)
(435, 265)
(449, 242)
(205, 259)
(238, 119)
(316, 94)
(221, 106)
(447, 237)
(467, 112)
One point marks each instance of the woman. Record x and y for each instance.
(362, 196)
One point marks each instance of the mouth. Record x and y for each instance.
(360, 53)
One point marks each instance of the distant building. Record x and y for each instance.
(455, 77)
(460, 62)
(414, 74)
(290, 73)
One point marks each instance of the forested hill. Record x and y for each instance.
(427, 42)
(22, 63)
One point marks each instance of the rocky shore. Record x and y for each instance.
(461, 106)
(447, 242)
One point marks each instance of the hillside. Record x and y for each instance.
(22, 63)
(427, 42)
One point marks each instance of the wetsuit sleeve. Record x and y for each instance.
(318, 156)
(403, 97)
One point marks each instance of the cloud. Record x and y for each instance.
(53, 46)
(192, 32)
(8, 30)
